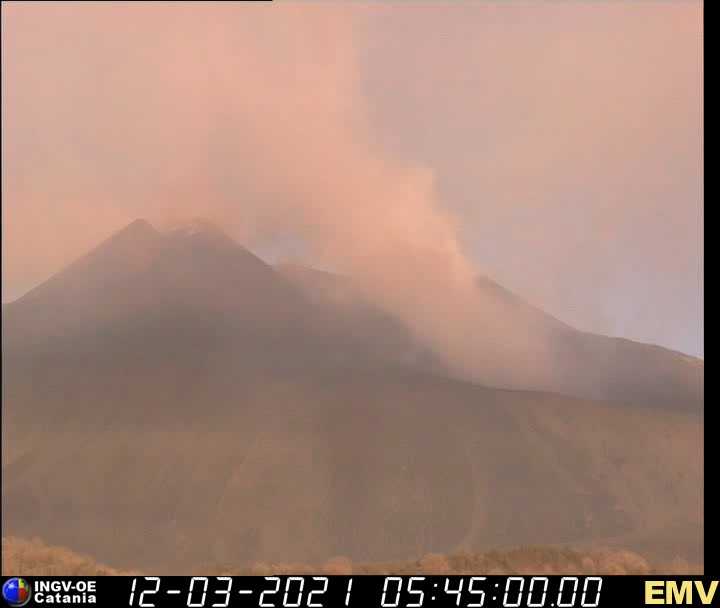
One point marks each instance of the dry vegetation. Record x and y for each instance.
(35, 558)
(524, 560)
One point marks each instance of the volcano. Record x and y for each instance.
(171, 399)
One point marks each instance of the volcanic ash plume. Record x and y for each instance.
(259, 123)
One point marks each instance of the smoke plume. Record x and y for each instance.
(253, 116)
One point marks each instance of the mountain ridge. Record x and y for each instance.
(204, 276)
(209, 408)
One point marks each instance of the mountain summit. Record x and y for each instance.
(140, 274)
(214, 408)
(195, 277)
(198, 228)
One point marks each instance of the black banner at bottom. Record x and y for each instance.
(308, 591)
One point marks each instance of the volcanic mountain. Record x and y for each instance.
(190, 289)
(170, 399)
(586, 365)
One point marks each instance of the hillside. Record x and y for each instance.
(170, 399)
(35, 558)
(585, 365)
(374, 467)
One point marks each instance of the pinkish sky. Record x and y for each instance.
(557, 145)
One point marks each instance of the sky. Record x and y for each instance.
(556, 147)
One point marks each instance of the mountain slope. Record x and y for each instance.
(141, 272)
(191, 288)
(372, 466)
(171, 399)
(195, 281)
(578, 363)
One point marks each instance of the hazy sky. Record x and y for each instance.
(554, 146)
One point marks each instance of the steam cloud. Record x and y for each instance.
(254, 117)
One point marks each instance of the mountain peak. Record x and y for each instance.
(196, 226)
(139, 224)
(140, 227)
